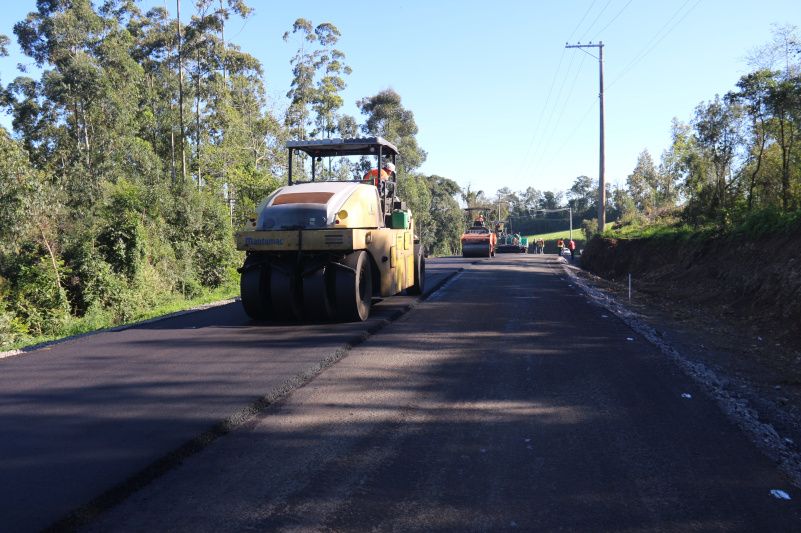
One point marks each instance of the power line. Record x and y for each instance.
(550, 110)
(657, 39)
(566, 100)
(553, 112)
(598, 35)
(572, 134)
(601, 12)
(541, 152)
(542, 114)
(582, 19)
(545, 107)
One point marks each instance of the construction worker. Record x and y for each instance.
(560, 244)
(571, 245)
(375, 176)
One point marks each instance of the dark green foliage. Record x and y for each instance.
(444, 229)
(121, 238)
(736, 164)
(36, 298)
(769, 222)
(96, 222)
(114, 199)
(590, 228)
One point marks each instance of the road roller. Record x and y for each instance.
(478, 241)
(322, 250)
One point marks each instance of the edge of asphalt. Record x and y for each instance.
(718, 387)
(122, 327)
(84, 514)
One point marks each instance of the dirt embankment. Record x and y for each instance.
(754, 283)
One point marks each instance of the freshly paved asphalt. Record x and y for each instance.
(505, 401)
(86, 416)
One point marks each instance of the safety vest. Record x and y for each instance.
(375, 177)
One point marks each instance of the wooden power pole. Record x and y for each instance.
(601, 155)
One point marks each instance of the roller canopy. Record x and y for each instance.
(343, 147)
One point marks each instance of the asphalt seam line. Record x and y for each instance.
(83, 515)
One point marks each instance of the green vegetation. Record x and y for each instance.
(733, 169)
(578, 234)
(98, 320)
(756, 225)
(145, 142)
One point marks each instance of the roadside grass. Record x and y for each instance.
(578, 234)
(101, 321)
(656, 231)
(754, 225)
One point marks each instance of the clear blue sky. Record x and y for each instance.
(498, 99)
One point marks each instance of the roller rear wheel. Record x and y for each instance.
(254, 288)
(285, 293)
(354, 288)
(419, 272)
(317, 295)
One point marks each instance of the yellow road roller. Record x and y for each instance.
(322, 250)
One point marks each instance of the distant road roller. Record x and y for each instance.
(478, 240)
(321, 250)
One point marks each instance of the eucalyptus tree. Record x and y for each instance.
(784, 101)
(386, 116)
(473, 198)
(4, 42)
(643, 183)
(214, 65)
(443, 232)
(81, 111)
(331, 66)
(582, 197)
(552, 200)
(531, 199)
(717, 134)
(318, 68)
(754, 94)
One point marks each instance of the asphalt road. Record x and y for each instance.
(95, 416)
(505, 401)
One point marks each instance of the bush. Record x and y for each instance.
(37, 298)
(121, 238)
(590, 228)
(767, 221)
(12, 329)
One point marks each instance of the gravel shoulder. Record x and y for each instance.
(756, 380)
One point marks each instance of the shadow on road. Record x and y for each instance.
(541, 413)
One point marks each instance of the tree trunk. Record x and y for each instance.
(172, 152)
(53, 261)
(785, 165)
(197, 119)
(180, 91)
(755, 173)
(222, 39)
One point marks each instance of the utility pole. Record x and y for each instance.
(570, 218)
(601, 156)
